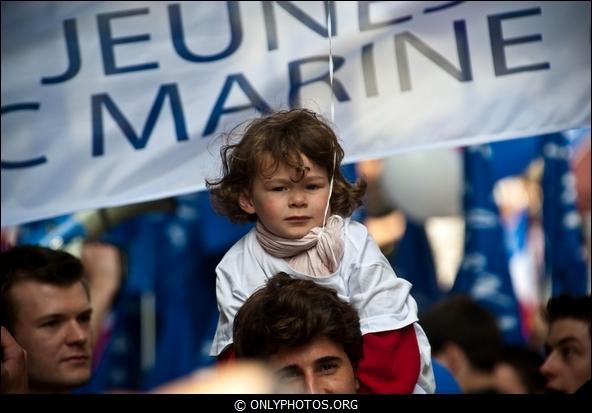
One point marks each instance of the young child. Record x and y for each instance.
(284, 174)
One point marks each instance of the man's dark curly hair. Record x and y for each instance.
(285, 136)
(568, 306)
(289, 313)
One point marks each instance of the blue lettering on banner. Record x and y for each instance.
(498, 43)
(103, 99)
(296, 81)
(101, 102)
(108, 42)
(257, 102)
(73, 50)
(369, 70)
(236, 34)
(364, 18)
(271, 27)
(29, 162)
(462, 48)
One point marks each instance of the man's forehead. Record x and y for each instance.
(568, 327)
(38, 299)
(308, 354)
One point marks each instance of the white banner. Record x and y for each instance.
(111, 103)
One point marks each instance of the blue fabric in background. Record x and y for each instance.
(565, 262)
(33, 232)
(445, 381)
(413, 261)
(484, 273)
(171, 256)
(512, 157)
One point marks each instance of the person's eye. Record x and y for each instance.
(84, 319)
(289, 375)
(313, 187)
(278, 188)
(567, 353)
(50, 323)
(328, 368)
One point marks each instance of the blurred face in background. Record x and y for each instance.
(567, 366)
(52, 323)
(508, 381)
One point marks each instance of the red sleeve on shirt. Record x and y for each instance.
(390, 362)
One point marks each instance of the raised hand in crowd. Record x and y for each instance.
(14, 366)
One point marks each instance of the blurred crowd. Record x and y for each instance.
(144, 319)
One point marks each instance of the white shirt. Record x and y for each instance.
(364, 278)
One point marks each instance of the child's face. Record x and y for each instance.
(286, 208)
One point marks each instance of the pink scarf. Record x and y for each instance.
(318, 253)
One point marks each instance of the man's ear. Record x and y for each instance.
(454, 358)
(246, 203)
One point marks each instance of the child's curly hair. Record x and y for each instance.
(286, 136)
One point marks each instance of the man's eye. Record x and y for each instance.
(566, 352)
(50, 323)
(84, 319)
(289, 375)
(328, 367)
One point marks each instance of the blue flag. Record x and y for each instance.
(511, 157)
(413, 261)
(484, 273)
(565, 260)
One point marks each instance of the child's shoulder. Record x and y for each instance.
(355, 229)
(240, 247)
(359, 242)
